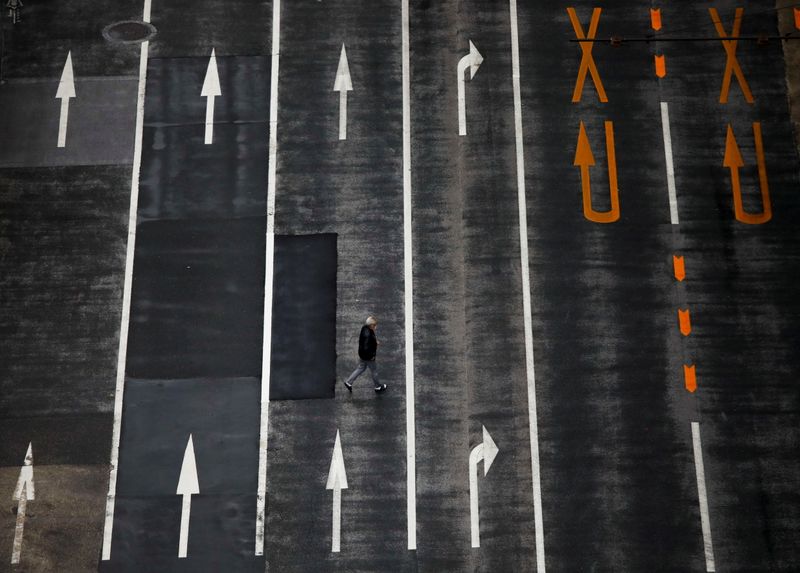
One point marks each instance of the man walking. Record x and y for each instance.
(367, 349)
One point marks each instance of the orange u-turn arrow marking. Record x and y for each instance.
(685, 322)
(733, 160)
(661, 66)
(690, 377)
(679, 266)
(655, 18)
(587, 60)
(585, 159)
(732, 66)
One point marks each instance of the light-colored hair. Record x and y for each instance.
(371, 321)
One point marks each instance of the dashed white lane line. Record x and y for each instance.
(126, 295)
(411, 464)
(705, 521)
(673, 196)
(270, 267)
(526, 294)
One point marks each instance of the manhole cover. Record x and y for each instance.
(129, 32)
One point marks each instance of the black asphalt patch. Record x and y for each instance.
(304, 317)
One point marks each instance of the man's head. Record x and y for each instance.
(371, 322)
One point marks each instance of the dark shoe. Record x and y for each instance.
(380, 388)
(349, 387)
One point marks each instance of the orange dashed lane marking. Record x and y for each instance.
(661, 66)
(685, 322)
(690, 377)
(797, 17)
(587, 60)
(679, 267)
(655, 18)
(732, 64)
(733, 160)
(585, 159)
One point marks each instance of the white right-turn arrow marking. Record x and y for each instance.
(211, 89)
(343, 84)
(337, 481)
(187, 486)
(472, 60)
(66, 90)
(486, 451)
(23, 493)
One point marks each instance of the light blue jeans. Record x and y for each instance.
(362, 366)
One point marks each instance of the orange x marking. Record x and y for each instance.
(732, 64)
(587, 61)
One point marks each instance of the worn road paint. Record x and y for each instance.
(533, 421)
(188, 485)
(211, 89)
(337, 481)
(266, 356)
(487, 452)
(585, 159)
(705, 521)
(23, 493)
(122, 352)
(587, 64)
(343, 84)
(734, 161)
(472, 60)
(65, 91)
(679, 267)
(732, 66)
(671, 188)
(690, 377)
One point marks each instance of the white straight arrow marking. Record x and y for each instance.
(343, 84)
(337, 481)
(211, 89)
(473, 60)
(486, 451)
(187, 486)
(23, 493)
(66, 90)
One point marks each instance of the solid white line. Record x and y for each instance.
(705, 522)
(411, 464)
(336, 531)
(526, 295)
(20, 526)
(270, 254)
(186, 511)
(673, 196)
(146, 12)
(62, 122)
(126, 301)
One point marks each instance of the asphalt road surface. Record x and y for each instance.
(582, 255)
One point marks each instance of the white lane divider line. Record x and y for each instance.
(211, 89)
(408, 289)
(486, 451)
(122, 353)
(188, 486)
(337, 481)
(23, 493)
(533, 422)
(65, 92)
(673, 196)
(266, 355)
(705, 521)
(472, 60)
(343, 84)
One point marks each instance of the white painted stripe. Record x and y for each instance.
(19, 528)
(146, 12)
(126, 300)
(705, 522)
(526, 294)
(266, 356)
(411, 463)
(673, 196)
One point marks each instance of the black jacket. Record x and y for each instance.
(367, 344)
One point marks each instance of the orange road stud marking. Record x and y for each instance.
(587, 60)
(585, 159)
(733, 160)
(661, 66)
(797, 17)
(689, 377)
(655, 18)
(732, 66)
(685, 322)
(679, 266)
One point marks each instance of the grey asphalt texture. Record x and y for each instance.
(617, 466)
